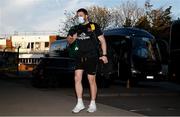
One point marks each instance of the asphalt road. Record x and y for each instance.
(149, 98)
(18, 97)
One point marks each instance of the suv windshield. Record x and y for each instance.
(58, 48)
(58, 45)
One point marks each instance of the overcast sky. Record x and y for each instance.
(47, 15)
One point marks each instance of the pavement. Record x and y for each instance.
(21, 99)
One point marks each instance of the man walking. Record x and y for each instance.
(86, 35)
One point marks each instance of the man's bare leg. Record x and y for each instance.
(93, 86)
(78, 83)
(79, 91)
(93, 90)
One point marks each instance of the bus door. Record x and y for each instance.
(174, 62)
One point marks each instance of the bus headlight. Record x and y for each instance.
(135, 71)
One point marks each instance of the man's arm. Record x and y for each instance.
(103, 44)
(104, 48)
(72, 34)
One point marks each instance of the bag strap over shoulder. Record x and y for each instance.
(95, 40)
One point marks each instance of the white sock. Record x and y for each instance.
(80, 101)
(92, 103)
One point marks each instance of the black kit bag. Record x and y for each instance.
(103, 69)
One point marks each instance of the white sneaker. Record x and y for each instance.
(78, 108)
(92, 108)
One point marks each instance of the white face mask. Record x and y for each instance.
(81, 20)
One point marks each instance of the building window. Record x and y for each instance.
(28, 46)
(46, 44)
(37, 45)
(32, 45)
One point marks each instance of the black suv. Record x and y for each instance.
(133, 54)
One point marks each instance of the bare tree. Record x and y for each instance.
(127, 13)
(99, 15)
(70, 20)
(160, 20)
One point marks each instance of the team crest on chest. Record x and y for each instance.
(83, 36)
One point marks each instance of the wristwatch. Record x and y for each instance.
(104, 55)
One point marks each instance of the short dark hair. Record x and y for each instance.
(82, 10)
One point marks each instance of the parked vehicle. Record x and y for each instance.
(58, 68)
(174, 50)
(138, 53)
(132, 53)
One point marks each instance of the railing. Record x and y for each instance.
(29, 61)
(27, 51)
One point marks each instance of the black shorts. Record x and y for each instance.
(87, 64)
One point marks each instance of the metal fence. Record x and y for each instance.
(8, 62)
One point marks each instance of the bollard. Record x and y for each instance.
(128, 84)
